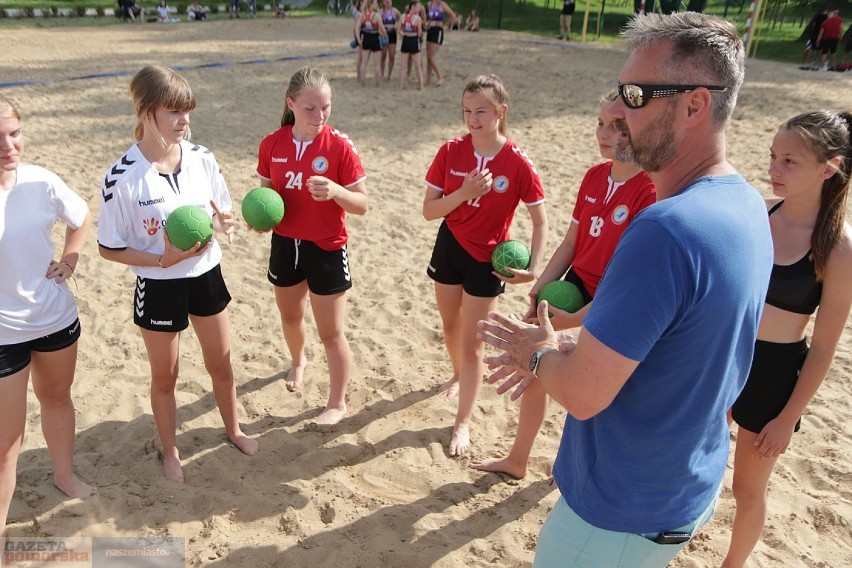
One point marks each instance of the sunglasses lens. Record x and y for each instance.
(632, 95)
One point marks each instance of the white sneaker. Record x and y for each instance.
(825, 66)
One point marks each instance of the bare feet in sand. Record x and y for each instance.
(171, 465)
(450, 389)
(501, 465)
(73, 486)
(295, 378)
(460, 441)
(246, 445)
(331, 416)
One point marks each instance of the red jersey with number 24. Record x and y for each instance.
(480, 224)
(288, 164)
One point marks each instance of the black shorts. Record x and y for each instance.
(572, 277)
(829, 46)
(370, 42)
(774, 372)
(435, 34)
(391, 36)
(165, 305)
(292, 261)
(15, 357)
(411, 44)
(452, 265)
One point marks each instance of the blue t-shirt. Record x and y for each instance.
(682, 294)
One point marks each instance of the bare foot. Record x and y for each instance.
(171, 465)
(500, 465)
(450, 389)
(246, 445)
(439, 82)
(331, 416)
(73, 486)
(295, 378)
(460, 441)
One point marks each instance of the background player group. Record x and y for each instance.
(474, 184)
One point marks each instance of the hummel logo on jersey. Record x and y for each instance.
(152, 225)
(112, 176)
(279, 160)
(590, 199)
(152, 202)
(455, 173)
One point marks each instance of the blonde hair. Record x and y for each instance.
(492, 88)
(156, 87)
(8, 108)
(305, 78)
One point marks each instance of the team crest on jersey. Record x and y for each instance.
(152, 225)
(320, 164)
(500, 184)
(620, 214)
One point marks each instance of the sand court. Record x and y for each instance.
(378, 489)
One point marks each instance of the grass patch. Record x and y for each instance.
(777, 39)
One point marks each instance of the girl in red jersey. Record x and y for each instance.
(610, 197)
(475, 183)
(318, 173)
(410, 28)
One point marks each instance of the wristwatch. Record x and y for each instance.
(535, 360)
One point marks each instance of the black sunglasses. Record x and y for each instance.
(635, 95)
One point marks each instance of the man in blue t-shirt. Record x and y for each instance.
(667, 345)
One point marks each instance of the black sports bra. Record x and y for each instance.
(794, 287)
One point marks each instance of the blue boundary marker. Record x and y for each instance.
(215, 64)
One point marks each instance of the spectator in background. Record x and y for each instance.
(164, 13)
(472, 23)
(196, 12)
(811, 34)
(829, 37)
(130, 10)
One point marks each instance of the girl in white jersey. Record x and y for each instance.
(318, 173)
(38, 314)
(159, 173)
(475, 184)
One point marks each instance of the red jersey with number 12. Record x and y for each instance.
(288, 164)
(603, 210)
(480, 224)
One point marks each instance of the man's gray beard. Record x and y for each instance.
(623, 151)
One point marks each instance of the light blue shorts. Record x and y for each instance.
(566, 541)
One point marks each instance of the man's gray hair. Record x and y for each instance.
(707, 50)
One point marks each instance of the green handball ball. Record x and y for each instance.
(563, 295)
(263, 208)
(187, 225)
(510, 254)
